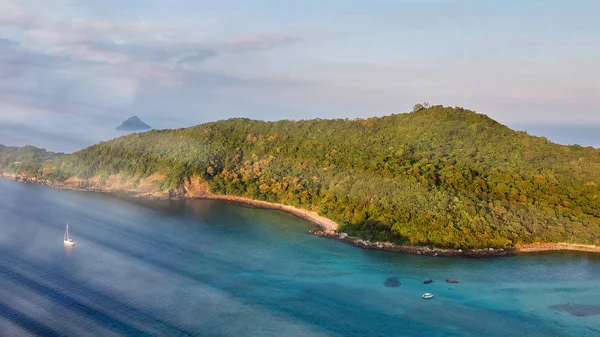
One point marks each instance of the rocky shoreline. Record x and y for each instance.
(84, 187)
(178, 194)
(416, 250)
(329, 227)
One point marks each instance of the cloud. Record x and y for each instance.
(19, 107)
(258, 42)
(113, 42)
(194, 57)
(78, 31)
(114, 27)
(90, 54)
(160, 53)
(7, 43)
(21, 69)
(20, 134)
(28, 14)
(13, 13)
(75, 76)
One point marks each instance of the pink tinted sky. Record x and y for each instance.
(71, 70)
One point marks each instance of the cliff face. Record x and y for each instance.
(196, 188)
(442, 176)
(119, 184)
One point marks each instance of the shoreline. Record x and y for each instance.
(323, 222)
(414, 250)
(556, 247)
(328, 226)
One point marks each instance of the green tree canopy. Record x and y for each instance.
(442, 176)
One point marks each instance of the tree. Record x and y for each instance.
(418, 107)
(447, 177)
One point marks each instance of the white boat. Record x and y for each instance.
(67, 240)
(427, 296)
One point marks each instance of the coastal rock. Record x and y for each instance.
(189, 191)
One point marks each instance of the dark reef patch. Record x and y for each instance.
(392, 282)
(578, 309)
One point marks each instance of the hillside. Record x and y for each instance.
(441, 176)
(26, 159)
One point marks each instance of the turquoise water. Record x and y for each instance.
(175, 268)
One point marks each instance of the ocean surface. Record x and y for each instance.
(213, 268)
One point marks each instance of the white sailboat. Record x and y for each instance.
(67, 240)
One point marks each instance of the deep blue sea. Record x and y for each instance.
(213, 268)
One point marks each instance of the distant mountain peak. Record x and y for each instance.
(133, 123)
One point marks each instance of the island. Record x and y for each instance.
(436, 181)
(133, 123)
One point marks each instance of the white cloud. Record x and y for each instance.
(258, 42)
(115, 42)
(87, 53)
(112, 91)
(113, 27)
(14, 13)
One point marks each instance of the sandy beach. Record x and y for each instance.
(546, 247)
(328, 226)
(324, 223)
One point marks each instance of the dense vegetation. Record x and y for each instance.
(439, 176)
(26, 159)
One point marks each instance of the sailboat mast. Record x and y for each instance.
(67, 233)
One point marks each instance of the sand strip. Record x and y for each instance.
(323, 222)
(546, 247)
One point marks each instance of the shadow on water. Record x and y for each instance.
(99, 300)
(335, 308)
(219, 275)
(334, 305)
(25, 322)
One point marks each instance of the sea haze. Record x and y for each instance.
(183, 268)
(566, 134)
(71, 140)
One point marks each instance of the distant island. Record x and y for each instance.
(133, 123)
(439, 177)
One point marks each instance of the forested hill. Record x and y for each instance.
(441, 176)
(26, 158)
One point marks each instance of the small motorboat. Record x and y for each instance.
(452, 280)
(428, 281)
(427, 296)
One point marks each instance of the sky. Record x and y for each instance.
(72, 70)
